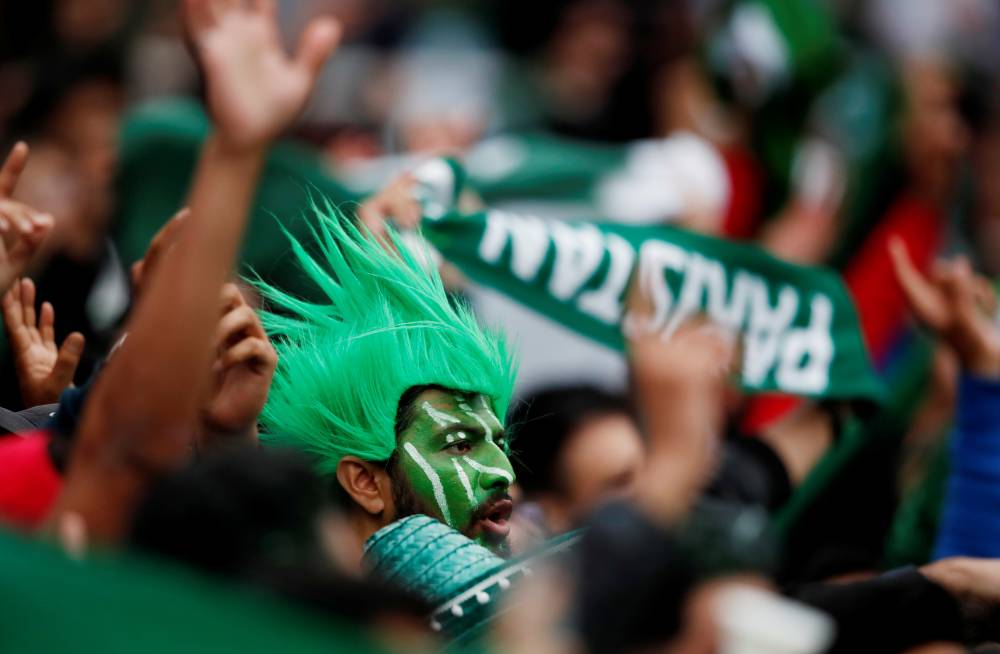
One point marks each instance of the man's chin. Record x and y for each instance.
(499, 547)
(491, 536)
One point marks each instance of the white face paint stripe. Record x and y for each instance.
(432, 476)
(486, 405)
(440, 417)
(496, 471)
(482, 423)
(464, 478)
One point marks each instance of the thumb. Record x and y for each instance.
(924, 299)
(67, 360)
(317, 43)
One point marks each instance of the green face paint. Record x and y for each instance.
(454, 455)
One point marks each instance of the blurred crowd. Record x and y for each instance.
(644, 495)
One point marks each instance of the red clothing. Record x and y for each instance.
(29, 483)
(743, 210)
(878, 298)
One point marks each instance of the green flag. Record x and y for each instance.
(799, 329)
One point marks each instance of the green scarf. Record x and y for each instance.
(799, 329)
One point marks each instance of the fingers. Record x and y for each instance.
(47, 323)
(318, 42)
(986, 296)
(265, 7)
(198, 16)
(924, 299)
(67, 361)
(28, 302)
(373, 218)
(12, 315)
(21, 218)
(231, 297)
(257, 352)
(961, 290)
(237, 325)
(162, 242)
(12, 169)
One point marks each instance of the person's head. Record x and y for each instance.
(261, 517)
(577, 447)
(935, 134)
(395, 391)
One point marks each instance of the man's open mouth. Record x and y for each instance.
(495, 520)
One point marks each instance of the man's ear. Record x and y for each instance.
(367, 483)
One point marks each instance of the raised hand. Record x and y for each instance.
(22, 228)
(241, 375)
(254, 88)
(679, 382)
(12, 168)
(955, 304)
(43, 369)
(162, 242)
(395, 202)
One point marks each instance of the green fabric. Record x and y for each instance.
(801, 331)
(466, 583)
(867, 137)
(543, 166)
(915, 525)
(906, 385)
(433, 561)
(160, 144)
(49, 603)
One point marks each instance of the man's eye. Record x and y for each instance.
(461, 447)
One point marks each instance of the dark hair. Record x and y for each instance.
(251, 515)
(231, 511)
(543, 424)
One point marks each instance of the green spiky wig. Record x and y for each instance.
(389, 326)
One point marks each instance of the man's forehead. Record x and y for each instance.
(453, 401)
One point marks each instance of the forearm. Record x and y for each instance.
(888, 613)
(680, 421)
(173, 324)
(162, 368)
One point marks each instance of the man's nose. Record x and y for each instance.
(495, 472)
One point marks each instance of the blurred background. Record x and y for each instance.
(804, 125)
(818, 129)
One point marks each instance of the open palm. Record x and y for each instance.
(44, 370)
(254, 88)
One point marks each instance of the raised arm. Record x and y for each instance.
(958, 306)
(141, 415)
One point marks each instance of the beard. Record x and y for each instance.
(407, 503)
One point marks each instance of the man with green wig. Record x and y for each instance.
(393, 389)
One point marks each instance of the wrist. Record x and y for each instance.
(984, 366)
(950, 574)
(224, 146)
(212, 435)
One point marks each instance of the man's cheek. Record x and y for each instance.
(459, 491)
(427, 483)
(443, 483)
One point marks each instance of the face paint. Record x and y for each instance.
(467, 410)
(453, 459)
(433, 478)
